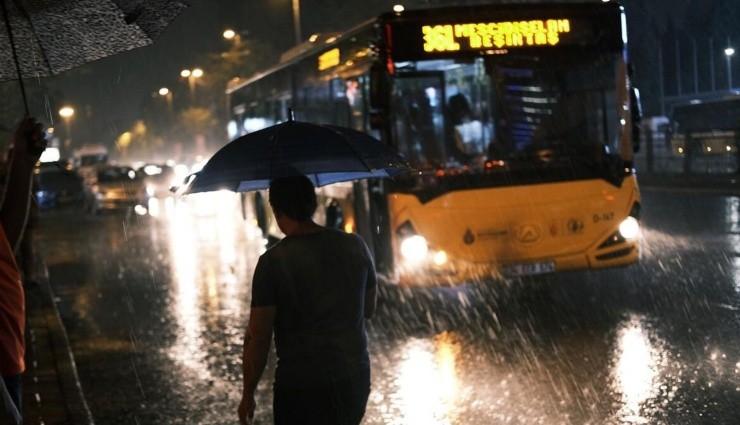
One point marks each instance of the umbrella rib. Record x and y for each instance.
(274, 139)
(344, 139)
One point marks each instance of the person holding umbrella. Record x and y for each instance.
(313, 290)
(28, 144)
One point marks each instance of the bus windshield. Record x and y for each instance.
(521, 109)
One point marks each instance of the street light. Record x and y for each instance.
(167, 94)
(67, 112)
(231, 35)
(729, 51)
(237, 49)
(191, 75)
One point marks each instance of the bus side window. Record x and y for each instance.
(342, 113)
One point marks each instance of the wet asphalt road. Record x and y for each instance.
(155, 309)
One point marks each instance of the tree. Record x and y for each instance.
(199, 131)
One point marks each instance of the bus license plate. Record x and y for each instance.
(529, 269)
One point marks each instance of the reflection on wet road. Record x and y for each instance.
(155, 308)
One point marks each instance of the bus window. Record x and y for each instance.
(356, 101)
(468, 126)
(561, 108)
(466, 130)
(340, 102)
(418, 119)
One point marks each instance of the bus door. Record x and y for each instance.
(417, 118)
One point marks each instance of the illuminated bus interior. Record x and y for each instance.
(509, 113)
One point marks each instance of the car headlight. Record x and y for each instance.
(629, 228)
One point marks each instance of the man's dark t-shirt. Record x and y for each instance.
(317, 283)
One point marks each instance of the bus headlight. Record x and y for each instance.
(629, 228)
(414, 248)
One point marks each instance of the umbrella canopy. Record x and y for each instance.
(45, 37)
(325, 153)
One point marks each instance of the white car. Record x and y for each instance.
(114, 187)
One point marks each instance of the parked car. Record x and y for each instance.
(159, 179)
(114, 187)
(57, 184)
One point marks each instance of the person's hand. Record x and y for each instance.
(29, 140)
(246, 409)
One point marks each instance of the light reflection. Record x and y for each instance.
(428, 382)
(732, 216)
(184, 265)
(201, 248)
(203, 238)
(637, 371)
(732, 220)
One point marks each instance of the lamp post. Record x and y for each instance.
(729, 52)
(237, 48)
(67, 112)
(297, 21)
(191, 75)
(167, 94)
(231, 35)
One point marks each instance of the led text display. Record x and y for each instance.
(493, 35)
(329, 59)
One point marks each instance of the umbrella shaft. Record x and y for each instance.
(15, 55)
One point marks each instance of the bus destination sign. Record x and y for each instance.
(493, 35)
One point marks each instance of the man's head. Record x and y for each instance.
(293, 197)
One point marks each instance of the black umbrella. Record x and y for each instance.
(324, 153)
(45, 37)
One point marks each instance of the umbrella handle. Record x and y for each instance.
(15, 55)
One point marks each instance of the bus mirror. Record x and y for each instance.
(379, 86)
(636, 118)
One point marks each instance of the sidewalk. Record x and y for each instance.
(51, 390)
(727, 185)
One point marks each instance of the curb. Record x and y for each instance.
(51, 372)
(728, 186)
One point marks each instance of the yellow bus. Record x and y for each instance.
(520, 121)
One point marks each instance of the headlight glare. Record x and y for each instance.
(440, 258)
(414, 248)
(629, 228)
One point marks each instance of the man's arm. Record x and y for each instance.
(15, 201)
(371, 297)
(257, 341)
